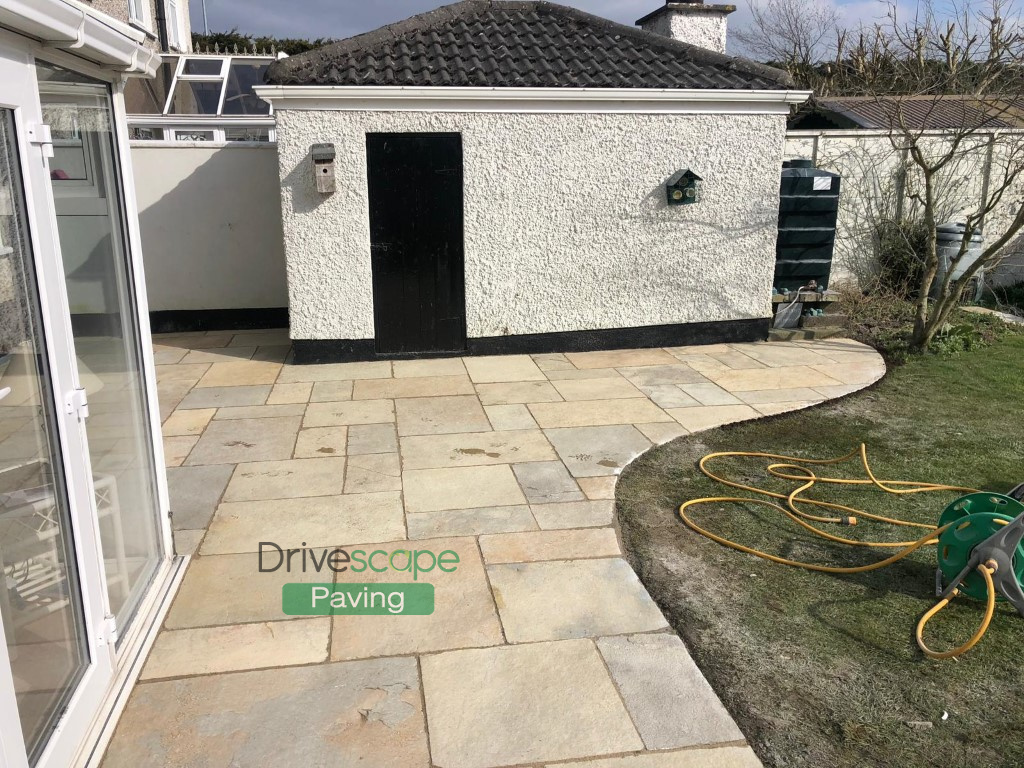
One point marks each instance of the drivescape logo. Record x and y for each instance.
(356, 599)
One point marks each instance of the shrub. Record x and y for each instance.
(901, 255)
(1008, 298)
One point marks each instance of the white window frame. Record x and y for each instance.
(176, 31)
(139, 15)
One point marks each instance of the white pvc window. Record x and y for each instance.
(252, 134)
(138, 13)
(216, 85)
(175, 32)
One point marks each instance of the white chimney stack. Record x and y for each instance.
(690, 22)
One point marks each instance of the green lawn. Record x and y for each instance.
(823, 670)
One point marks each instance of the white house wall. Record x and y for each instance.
(566, 223)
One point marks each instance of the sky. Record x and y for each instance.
(344, 18)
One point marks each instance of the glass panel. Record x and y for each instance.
(195, 98)
(141, 133)
(239, 98)
(202, 67)
(99, 279)
(189, 134)
(40, 597)
(247, 133)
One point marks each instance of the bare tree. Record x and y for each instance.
(795, 34)
(966, 64)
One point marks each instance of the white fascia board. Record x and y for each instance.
(69, 26)
(599, 100)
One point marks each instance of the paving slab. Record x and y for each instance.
(365, 713)
(596, 451)
(475, 448)
(484, 370)
(188, 422)
(336, 414)
(208, 650)
(523, 704)
(225, 397)
(441, 415)
(518, 392)
(372, 438)
(574, 514)
(661, 433)
(671, 703)
(243, 594)
(195, 493)
(464, 614)
(283, 394)
(331, 391)
(571, 598)
(598, 487)
(259, 411)
(470, 522)
(241, 440)
(244, 373)
(533, 546)
(709, 416)
(619, 358)
(176, 449)
(218, 355)
(373, 472)
(321, 521)
(505, 417)
(432, 490)
(596, 389)
(418, 386)
(593, 413)
(336, 372)
(448, 366)
(294, 478)
(700, 757)
(547, 482)
(317, 442)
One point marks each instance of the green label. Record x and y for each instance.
(357, 599)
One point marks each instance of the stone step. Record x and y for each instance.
(818, 321)
(805, 334)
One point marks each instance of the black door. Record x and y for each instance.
(416, 249)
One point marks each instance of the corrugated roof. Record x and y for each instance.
(497, 43)
(915, 112)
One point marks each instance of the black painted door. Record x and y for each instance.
(416, 245)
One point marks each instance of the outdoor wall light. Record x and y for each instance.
(683, 188)
(323, 167)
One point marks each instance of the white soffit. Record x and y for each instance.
(74, 28)
(599, 100)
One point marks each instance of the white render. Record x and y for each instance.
(210, 217)
(704, 28)
(566, 223)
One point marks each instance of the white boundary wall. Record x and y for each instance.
(871, 192)
(210, 216)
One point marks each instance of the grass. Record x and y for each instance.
(823, 670)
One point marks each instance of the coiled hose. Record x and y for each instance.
(795, 469)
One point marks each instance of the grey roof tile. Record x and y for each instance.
(527, 43)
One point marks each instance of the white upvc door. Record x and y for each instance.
(57, 656)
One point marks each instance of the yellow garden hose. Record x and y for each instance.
(795, 469)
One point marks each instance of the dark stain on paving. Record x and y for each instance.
(478, 452)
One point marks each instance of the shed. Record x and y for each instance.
(499, 184)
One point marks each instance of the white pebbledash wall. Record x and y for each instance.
(566, 222)
(705, 28)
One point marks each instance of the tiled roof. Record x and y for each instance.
(915, 112)
(494, 43)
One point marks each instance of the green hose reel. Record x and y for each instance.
(984, 526)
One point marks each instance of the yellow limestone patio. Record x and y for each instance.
(544, 647)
